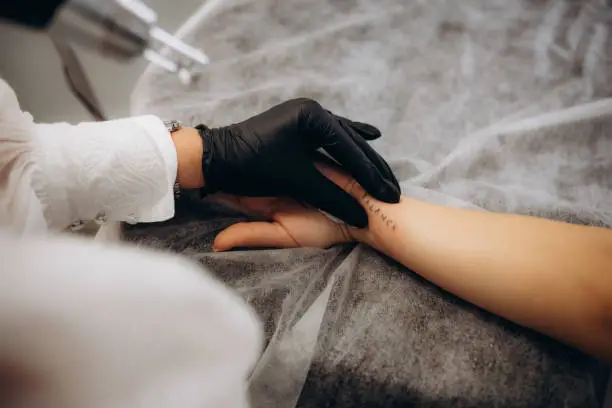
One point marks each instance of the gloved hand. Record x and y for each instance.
(271, 154)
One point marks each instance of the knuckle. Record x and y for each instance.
(307, 105)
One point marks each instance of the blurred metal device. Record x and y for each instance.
(120, 29)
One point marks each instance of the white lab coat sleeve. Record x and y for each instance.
(119, 170)
(85, 325)
(20, 207)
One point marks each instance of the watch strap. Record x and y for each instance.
(172, 126)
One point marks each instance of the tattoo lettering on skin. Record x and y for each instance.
(375, 209)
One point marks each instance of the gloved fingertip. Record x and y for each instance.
(367, 131)
(397, 185)
(389, 193)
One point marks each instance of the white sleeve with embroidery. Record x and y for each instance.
(52, 175)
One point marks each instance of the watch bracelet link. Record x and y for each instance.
(172, 126)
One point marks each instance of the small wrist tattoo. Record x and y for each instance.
(376, 211)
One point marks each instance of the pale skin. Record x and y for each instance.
(553, 277)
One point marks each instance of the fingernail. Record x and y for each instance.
(215, 249)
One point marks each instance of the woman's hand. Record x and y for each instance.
(291, 224)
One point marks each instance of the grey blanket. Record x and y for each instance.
(490, 104)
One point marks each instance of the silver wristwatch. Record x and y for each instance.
(173, 126)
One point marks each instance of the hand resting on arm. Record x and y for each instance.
(550, 276)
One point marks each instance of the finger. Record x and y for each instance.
(341, 146)
(360, 131)
(380, 163)
(321, 158)
(253, 234)
(367, 131)
(317, 190)
(341, 179)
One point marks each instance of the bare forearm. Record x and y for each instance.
(553, 277)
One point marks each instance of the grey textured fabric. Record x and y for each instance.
(497, 105)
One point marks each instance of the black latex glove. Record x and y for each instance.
(271, 154)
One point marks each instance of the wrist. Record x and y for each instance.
(189, 147)
(383, 223)
(361, 235)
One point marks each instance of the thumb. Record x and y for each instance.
(253, 234)
(335, 173)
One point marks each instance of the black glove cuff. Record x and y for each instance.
(207, 136)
